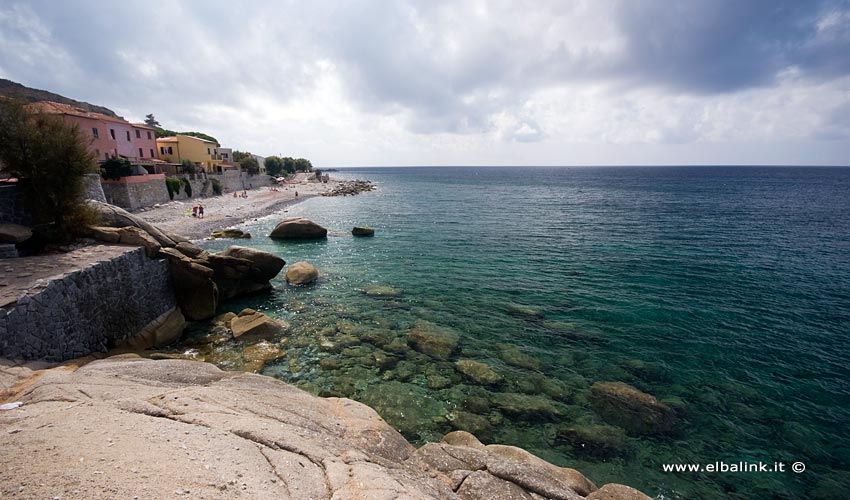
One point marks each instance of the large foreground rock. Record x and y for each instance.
(636, 411)
(298, 228)
(128, 427)
(113, 216)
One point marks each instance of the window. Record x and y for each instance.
(141, 153)
(97, 152)
(138, 134)
(152, 155)
(95, 134)
(162, 150)
(149, 134)
(112, 133)
(208, 151)
(170, 150)
(128, 135)
(105, 156)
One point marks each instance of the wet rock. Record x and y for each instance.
(298, 228)
(527, 406)
(381, 291)
(255, 326)
(363, 231)
(594, 441)
(301, 273)
(478, 373)
(513, 356)
(14, 233)
(433, 340)
(257, 355)
(225, 318)
(636, 411)
(617, 492)
(230, 233)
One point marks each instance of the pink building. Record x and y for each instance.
(109, 136)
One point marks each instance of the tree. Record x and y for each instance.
(150, 121)
(238, 156)
(303, 164)
(250, 165)
(50, 157)
(189, 166)
(116, 168)
(274, 165)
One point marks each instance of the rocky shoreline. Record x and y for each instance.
(126, 427)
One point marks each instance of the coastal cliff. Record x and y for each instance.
(129, 427)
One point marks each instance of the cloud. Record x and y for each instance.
(362, 79)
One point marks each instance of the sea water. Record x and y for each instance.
(722, 291)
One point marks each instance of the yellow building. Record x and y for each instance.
(177, 148)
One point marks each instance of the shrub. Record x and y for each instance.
(173, 186)
(217, 187)
(187, 187)
(116, 168)
(189, 166)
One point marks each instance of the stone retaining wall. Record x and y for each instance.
(86, 310)
(137, 191)
(13, 206)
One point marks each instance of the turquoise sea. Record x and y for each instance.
(722, 291)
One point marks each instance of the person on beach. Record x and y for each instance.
(195, 211)
(296, 194)
(200, 211)
(234, 194)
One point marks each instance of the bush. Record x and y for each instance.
(189, 167)
(250, 165)
(187, 188)
(173, 186)
(217, 187)
(50, 156)
(116, 168)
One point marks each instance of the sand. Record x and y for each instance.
(225, 211)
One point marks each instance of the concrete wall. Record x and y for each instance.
(88, 310)
(135, 192)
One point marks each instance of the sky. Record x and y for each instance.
(385, 83)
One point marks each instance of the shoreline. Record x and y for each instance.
(225, 211)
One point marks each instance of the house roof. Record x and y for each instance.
(142, 125)
(195, 138)
(167, 139)
(56, 108)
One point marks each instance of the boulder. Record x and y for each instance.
(14, 233)
(196, 292)
(433, 340)
(480, 484)
(191, 250)
(363, 231)
(255, 326)
(613, 491)
(636, 411)
(230, 233)
(164, 330)
(298, 228)
(138, 237)
(535, 474)
(113, 216)
(301, 273)
(264, 265)
(478, 373)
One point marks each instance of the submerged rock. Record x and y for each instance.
(301, 273)
(513, 356)
(298, 228)
(257, 355)
(636, 411)
(595, 441)
(254, 325)
(527, 406)
(478, 373)
(381, 291)
(230, 233)
(523, 310)
(433, 340)
(409, 408)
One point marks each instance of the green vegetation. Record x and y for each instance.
(187, 187)
(173, 186)
(164, 132)
(116, 168)
(150, 121)
(250, 165)
(188, 166)
(276, 165)
(50, 157)
(217, 187)
(238, 156)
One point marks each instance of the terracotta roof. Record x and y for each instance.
(142, 125)
(167, 139)
(196, 138)
(56, 108)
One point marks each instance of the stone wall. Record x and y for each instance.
(93, 188)
(136, 192)
(86, 310)
(13, 206)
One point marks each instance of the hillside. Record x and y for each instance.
(9, 88)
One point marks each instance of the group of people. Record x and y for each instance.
(198, 211)
(243, 195)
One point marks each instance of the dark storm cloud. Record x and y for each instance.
(726, 45)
